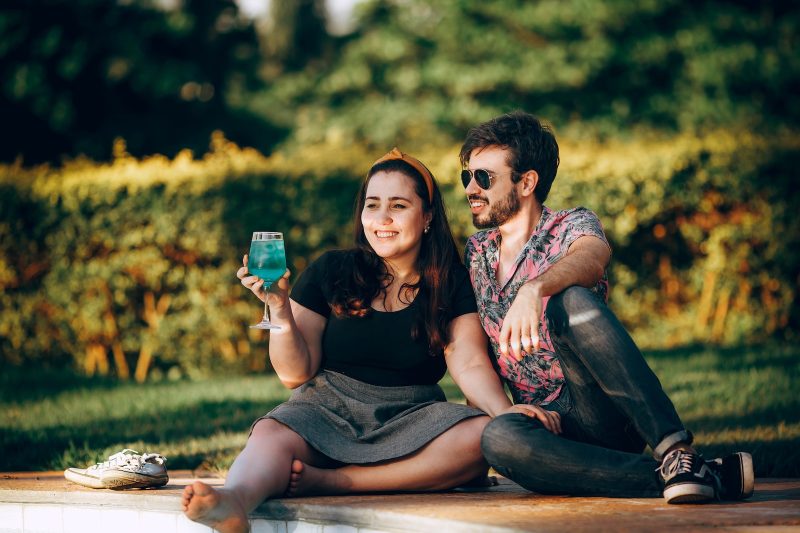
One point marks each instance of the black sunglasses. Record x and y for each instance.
(483, 178)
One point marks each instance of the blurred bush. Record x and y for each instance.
(128, 267)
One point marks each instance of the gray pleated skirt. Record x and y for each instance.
(357, 423)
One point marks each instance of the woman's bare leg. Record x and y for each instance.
(260, 471)
(451, 459)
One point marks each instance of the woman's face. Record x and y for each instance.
(393, 216)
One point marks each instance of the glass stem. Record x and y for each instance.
(266, 318)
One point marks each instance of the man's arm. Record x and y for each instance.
(582, 265)
(469, 365)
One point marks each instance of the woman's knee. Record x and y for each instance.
(467, 436)
(270, 429)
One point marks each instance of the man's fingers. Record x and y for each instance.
(513, 340)
(502, 339)
(524, 338)
(557, 418)
(515, 349)
(534, 333)
(556, 423)
(551, 420)
(526, 341)
(542, 416)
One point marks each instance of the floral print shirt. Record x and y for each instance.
(537, 379)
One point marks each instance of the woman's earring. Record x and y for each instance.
(427, 228)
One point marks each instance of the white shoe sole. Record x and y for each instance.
(120, 480)
(689, 493)
(746, 475)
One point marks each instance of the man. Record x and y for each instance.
(539, 277)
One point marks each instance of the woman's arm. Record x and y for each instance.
(468, 363)
(295, 350)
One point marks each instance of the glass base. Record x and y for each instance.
(265, 324)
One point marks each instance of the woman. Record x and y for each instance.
(364, 338)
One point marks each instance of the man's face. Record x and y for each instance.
(494, 207)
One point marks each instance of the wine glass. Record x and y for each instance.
(267, 260)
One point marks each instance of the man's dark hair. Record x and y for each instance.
(531, 143)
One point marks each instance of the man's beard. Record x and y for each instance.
(500, 212)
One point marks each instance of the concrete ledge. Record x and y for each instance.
(46, 503)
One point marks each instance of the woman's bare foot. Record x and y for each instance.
(216, 508)
(307, 480)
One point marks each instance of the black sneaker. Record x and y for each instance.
(687, 478)
(735, 474)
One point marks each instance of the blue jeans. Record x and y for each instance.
(611, 406)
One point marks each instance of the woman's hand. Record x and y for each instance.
(550, 419)
(277, 293)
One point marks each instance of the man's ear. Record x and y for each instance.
(529, 180)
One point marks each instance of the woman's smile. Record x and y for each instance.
(393, 217)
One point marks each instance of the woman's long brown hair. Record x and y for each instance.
(363, 275)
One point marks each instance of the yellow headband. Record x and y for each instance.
(396, 154)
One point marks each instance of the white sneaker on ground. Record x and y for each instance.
(123, 470)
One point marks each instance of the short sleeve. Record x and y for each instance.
(308, 290)
(463, 296)
(581, 222)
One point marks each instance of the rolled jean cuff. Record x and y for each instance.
(670, 440)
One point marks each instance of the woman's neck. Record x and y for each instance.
(402, 272)
(397, 294)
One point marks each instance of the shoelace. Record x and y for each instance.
(677, 462)
(128, 458)
(680, 462)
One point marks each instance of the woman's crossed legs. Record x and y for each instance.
(277, 461)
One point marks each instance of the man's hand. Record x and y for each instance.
(551, 420)
(520, 331)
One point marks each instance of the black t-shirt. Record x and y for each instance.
(377, 348)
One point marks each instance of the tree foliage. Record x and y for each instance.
(77, 74)
(424, 72)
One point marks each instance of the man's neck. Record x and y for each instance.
(518, 229)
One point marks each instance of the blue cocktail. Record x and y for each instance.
(267, 260)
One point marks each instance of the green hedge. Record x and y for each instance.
(129, 267)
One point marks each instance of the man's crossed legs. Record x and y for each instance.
(612, 405)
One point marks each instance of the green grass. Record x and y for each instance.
(747, 398)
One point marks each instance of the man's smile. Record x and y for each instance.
(476, 203)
